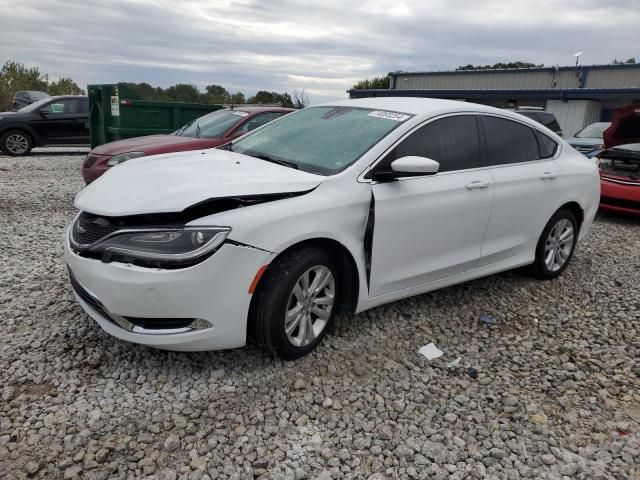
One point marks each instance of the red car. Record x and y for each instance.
(208, 131)
(620, 163)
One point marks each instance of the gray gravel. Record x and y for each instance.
(551, 391)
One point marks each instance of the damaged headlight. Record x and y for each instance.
(160, 247)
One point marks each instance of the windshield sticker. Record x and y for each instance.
(240, 114)
(397, 117)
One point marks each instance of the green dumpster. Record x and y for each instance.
(116, 113)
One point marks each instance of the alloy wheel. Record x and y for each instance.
(309, 306)
(17, 143)
(559, 245)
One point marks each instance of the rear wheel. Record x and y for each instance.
(295, 303)
(556, 245)
(16, 143)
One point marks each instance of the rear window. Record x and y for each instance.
(547, 146)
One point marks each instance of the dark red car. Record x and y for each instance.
(208, 131)
(620, 163)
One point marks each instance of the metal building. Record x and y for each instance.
(576, 95)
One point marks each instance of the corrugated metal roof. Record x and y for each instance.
(546, 78)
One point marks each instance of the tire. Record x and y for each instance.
(16, 143)
(560, 235)
(280, 292)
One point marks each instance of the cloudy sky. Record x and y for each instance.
(321, 46)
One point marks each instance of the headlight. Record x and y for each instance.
(159, 247)
(123, 157)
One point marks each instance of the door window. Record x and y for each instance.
(69, 106)
(509, 141)
(258, 121)
(452, 141)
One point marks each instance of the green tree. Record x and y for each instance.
(237, 98)
(264, 96)
(375, 83)
(184, 92)
(64, 86)
(15, 76)
(144, 91)
(217, 94)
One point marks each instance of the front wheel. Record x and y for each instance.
(295, 303)
(556, 245)
(16, 143)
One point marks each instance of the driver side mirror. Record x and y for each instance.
(409, 166)
(44, 112)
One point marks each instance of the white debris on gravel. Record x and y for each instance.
(552, 381)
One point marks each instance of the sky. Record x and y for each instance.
(323, 47)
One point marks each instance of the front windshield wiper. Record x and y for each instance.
(266, 157)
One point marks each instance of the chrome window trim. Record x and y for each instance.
(373, 164)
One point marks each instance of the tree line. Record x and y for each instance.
(15, 76)
(185, 92)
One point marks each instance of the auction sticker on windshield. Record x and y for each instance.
(240, 114)
(398, 117)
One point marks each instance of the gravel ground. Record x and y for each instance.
(550, 391)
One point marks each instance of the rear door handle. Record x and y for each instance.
(548, 176)
(477, 184)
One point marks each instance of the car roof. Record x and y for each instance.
(240, 108)
(60, 97)
(424, 107)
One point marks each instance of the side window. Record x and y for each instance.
(452, 141)
(83, 106)
(68, 107)
(509, 141)
(547, 146)
(258, 121)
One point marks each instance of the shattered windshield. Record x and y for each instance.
(323, 140)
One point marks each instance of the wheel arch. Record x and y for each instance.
(35, 138)
(345, 262)
(575, 208)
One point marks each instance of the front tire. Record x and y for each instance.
(556, 245)
(16, 143)
(295, 303)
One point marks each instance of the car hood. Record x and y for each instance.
(625, 127)
(173, 182)
(155, 144)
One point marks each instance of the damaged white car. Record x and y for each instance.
(334, 208)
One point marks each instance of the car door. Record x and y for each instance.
(431, 227)
(525, 192)
(63, 121)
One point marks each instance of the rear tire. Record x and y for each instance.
(556, 245)
(288, 319)
(16, 143)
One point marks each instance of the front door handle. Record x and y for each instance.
(548, 176)
(477, 184)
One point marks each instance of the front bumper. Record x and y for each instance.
(215, 292)
(620, 197)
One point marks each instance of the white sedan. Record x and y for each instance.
(335, 208)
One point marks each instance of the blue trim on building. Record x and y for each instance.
(553, 94)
